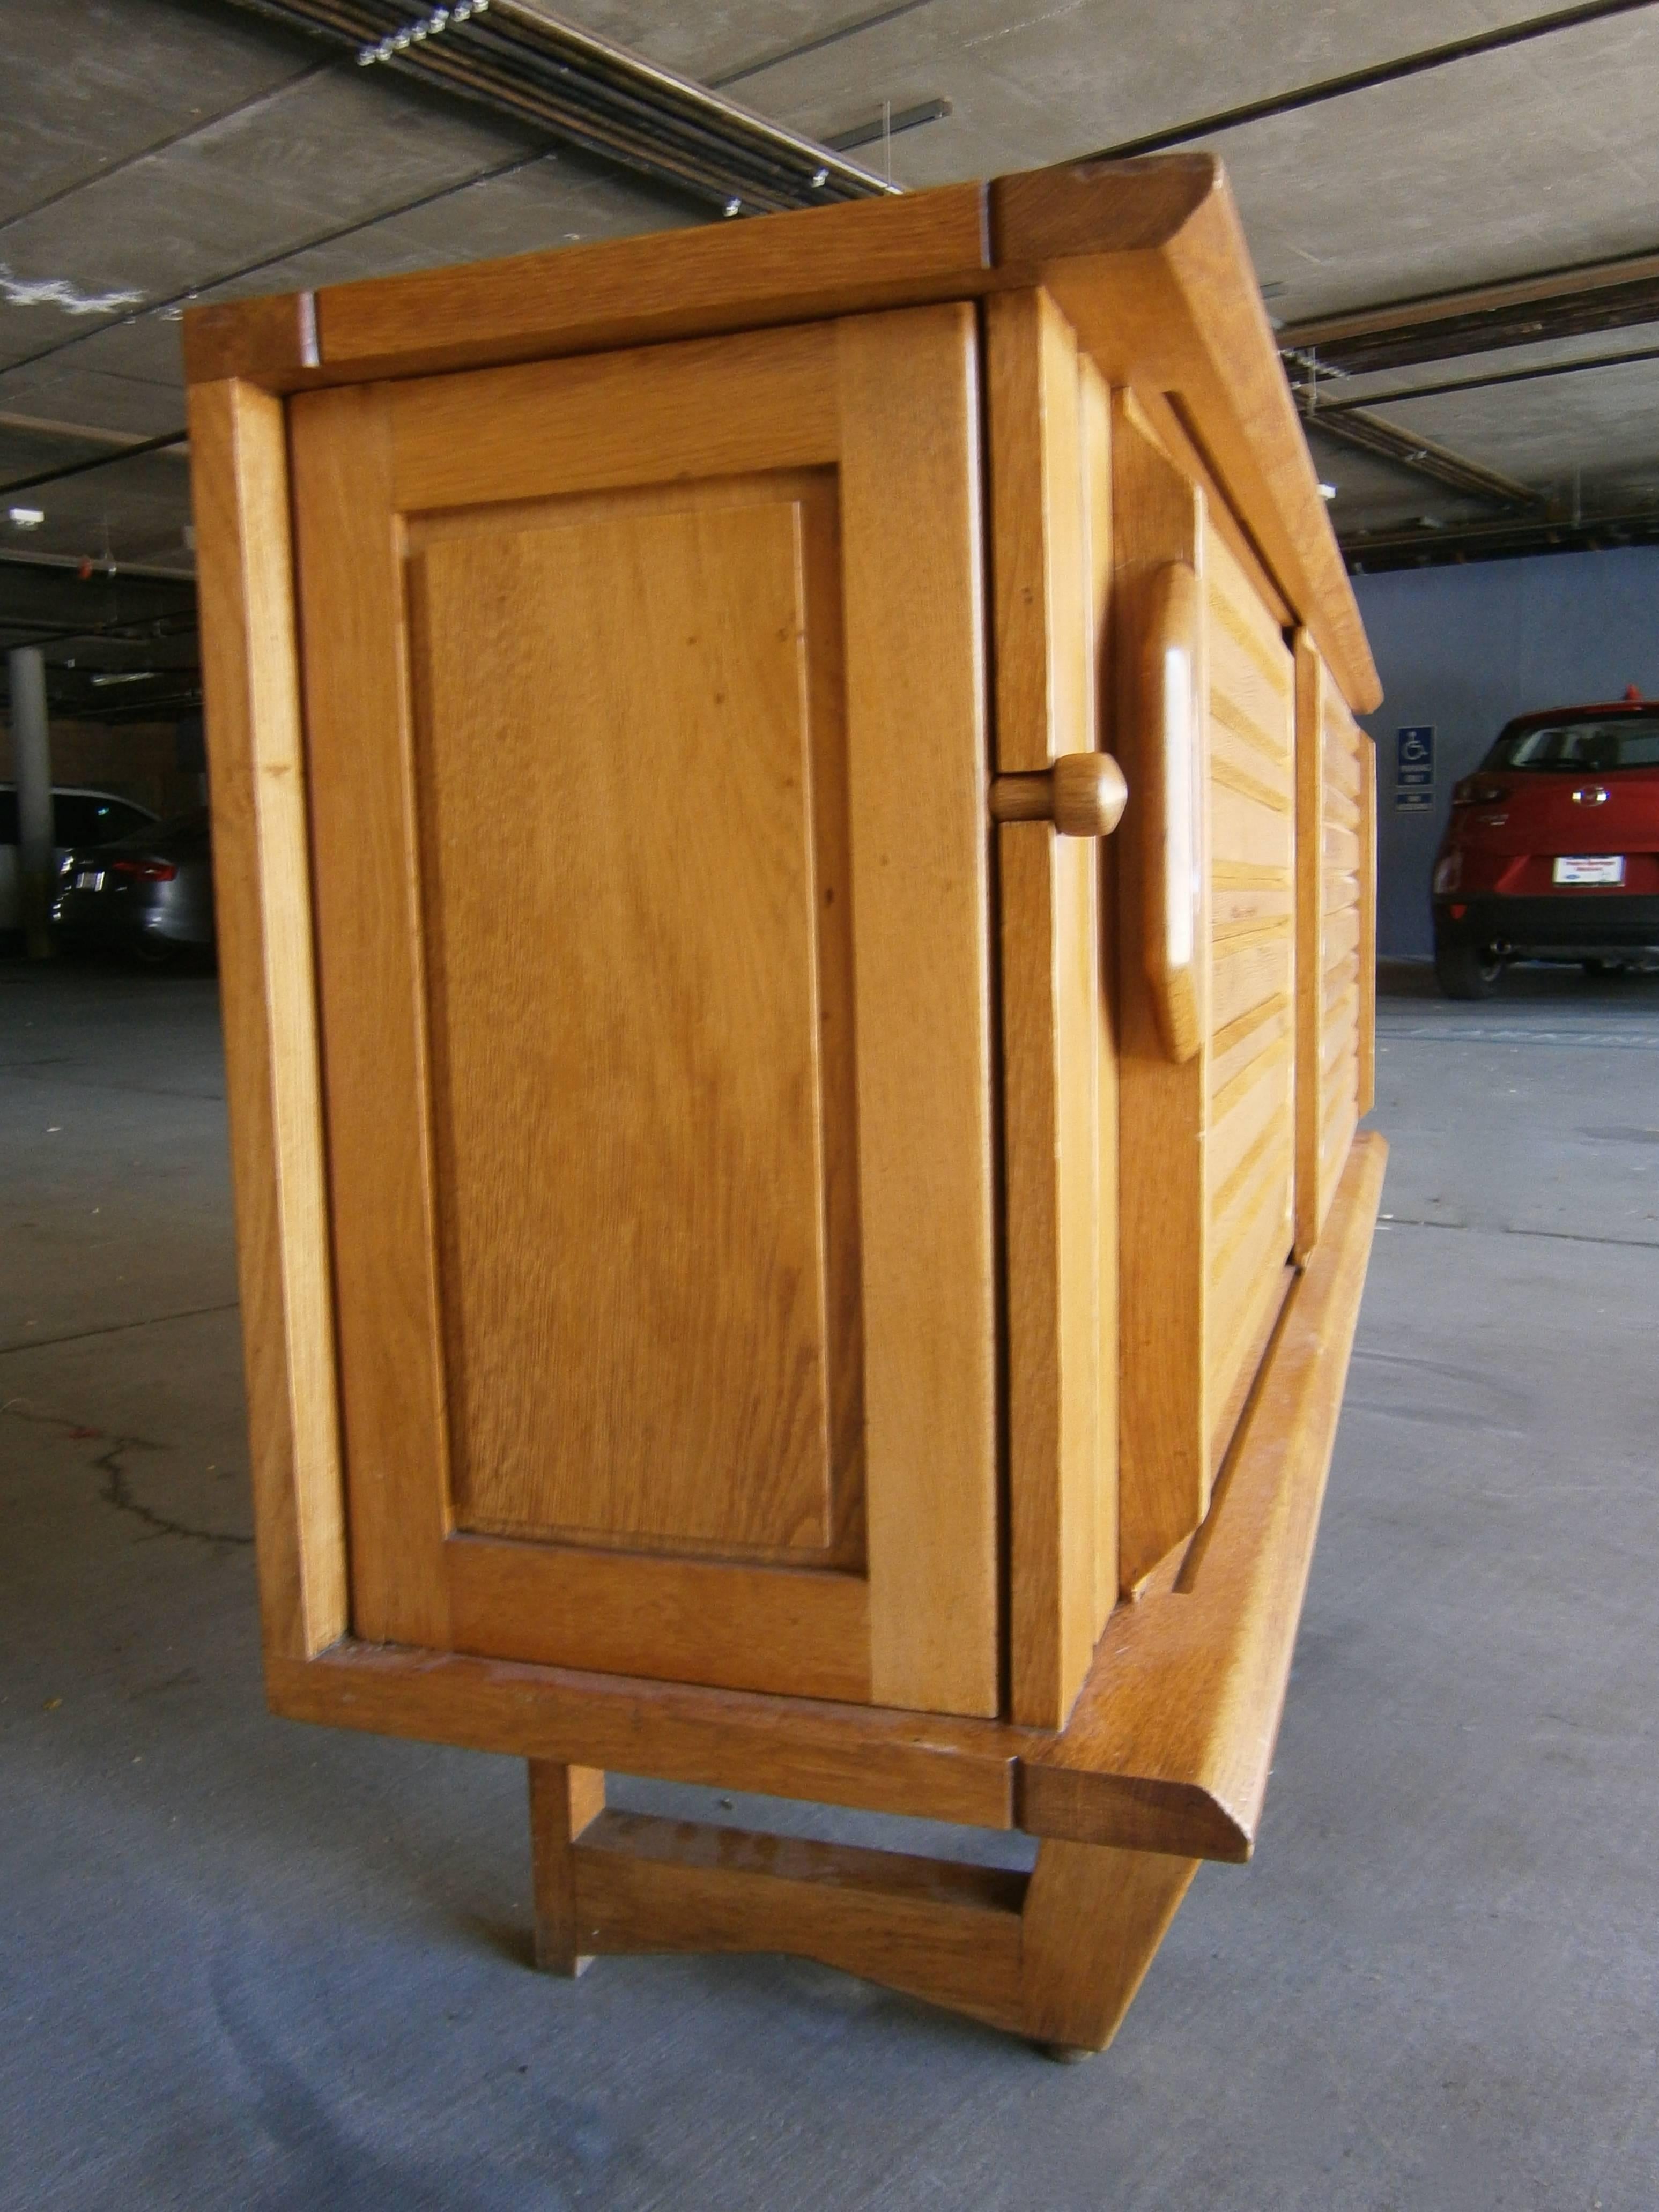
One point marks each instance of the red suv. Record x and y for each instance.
(1552, 849)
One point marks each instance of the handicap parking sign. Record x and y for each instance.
(1413, 772)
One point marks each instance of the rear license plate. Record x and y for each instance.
(88, 879)
(1593, 868)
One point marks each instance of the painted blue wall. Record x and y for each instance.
(1464, 648)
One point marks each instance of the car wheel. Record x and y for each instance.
(1464, 970)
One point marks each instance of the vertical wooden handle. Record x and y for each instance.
(1171, 756)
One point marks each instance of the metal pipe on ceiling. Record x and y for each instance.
(1424, 457)
(1559, 303)
(521, 60)
(1379, 73)
(99, 461)
(1555, 369)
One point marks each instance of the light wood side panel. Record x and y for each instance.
(1310, 834)
(676, 1197)
(675, 1620)
(949, 1934)
(1367, 751)
(723, 408)
(1038, 567)
(1163, 1428)
(917, 771)
(262, 890)
(1249, 1147)
(372, 993)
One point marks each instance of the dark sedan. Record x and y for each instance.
(149, 894)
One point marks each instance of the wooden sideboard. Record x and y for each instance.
(795, 879)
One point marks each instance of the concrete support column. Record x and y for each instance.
(31, 759)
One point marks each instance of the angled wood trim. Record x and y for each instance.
(1171, 1744)
(263, 896)
(1148, 259)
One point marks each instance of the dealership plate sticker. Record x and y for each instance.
(1590, 868)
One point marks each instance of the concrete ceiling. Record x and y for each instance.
(161, 150)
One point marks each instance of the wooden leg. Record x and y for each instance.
(1094, 1916)
(563, 1801)
(1057, 1957)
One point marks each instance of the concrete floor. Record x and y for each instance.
(251, 1964)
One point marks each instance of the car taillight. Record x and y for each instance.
(148, 871)
(1476, 791)
(1449, 873)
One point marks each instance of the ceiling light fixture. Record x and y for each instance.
(26, 518)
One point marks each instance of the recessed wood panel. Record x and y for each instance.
(1249, 1143)
(616, 757)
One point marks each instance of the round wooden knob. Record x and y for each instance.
(1083, 794)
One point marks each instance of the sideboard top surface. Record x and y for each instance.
(1146, 258)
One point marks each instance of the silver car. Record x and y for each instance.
(79, 816)
(149, 895)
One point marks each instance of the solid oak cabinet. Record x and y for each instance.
(795, 870)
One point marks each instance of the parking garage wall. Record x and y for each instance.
(138, 761)
(1464, 648)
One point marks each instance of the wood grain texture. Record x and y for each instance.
(1094, 1920)
(637, 291)
(745, 1627)
(1096, 428)
(1336, 909)
(948, 1934)
(1249, 1143)
(262, 893)
(1051, 988)
(930, 1765)
(1310, 681)
(916, 716)
(564, 1801)
(1366, 751)
(1049, 597)
(724, 407)
(1038, 570)
(374, 1021)
(271, 343)
(1149, 262)
(1170, 1743)
(1164, 1427)
(636, 1283)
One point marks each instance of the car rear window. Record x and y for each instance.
(1632, 741)
(81, 818)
